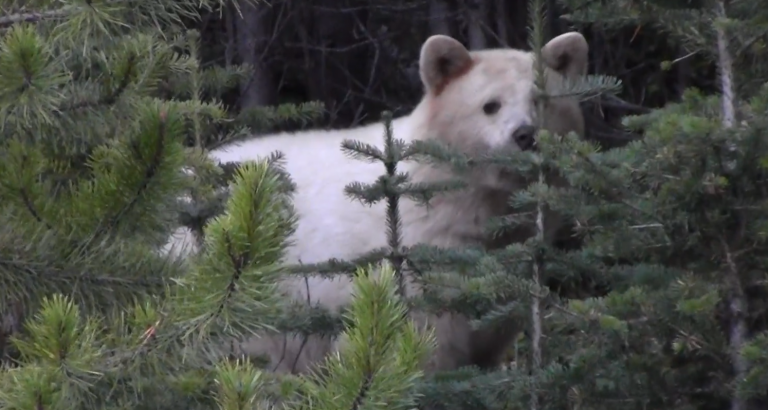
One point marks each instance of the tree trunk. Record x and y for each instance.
(502, 22)
(253, 35)
(476, 16)
(439, 11)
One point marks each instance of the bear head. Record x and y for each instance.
(480, 101)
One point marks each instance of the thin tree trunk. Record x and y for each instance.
(476, 15)
(502, 22)
(439, 10)
(737, 303)
(253, 37)
(553, 20)
(725, 65)
(231, 49)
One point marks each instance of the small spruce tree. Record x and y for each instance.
(675, 224)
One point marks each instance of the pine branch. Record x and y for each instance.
(381, 351)
(85, 275)
(149, 170)
(25, 198)
(112, 96)
(239, 269)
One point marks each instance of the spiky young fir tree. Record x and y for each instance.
(390, 187)
(676, 224)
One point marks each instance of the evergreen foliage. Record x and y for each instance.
(674, 224)
(162, 348)
(672, 238)
(103, 104)
(381, 356)
(693, 25)
(98, 102)
(94, 316)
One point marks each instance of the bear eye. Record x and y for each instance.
(491, 107)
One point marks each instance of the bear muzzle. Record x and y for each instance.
(525, 137)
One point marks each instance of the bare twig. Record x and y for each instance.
(33, 16)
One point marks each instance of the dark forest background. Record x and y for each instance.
(360, 57)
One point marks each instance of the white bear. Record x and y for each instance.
(475, 101)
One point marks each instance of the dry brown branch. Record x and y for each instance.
(33, 16)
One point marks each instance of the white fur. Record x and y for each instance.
(332, 225)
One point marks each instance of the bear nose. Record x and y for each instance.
(525, 137)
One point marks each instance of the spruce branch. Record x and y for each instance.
(615, 190)
(389, 187)
(332, 267)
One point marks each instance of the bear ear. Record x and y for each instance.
(567, 54)
(442, 59)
